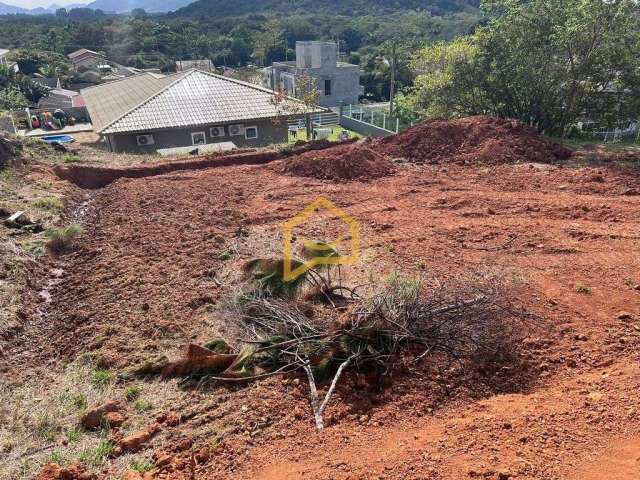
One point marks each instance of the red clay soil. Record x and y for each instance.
(484, 140)
(344, 162)
(148, 272)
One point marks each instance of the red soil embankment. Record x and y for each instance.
(87, 176)
(484, 140)
(343, 162)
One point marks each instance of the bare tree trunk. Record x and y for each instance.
(318, 408)
(309, 128)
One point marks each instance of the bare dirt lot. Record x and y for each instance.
(159, 255)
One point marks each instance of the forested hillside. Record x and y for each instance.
(147, 40)
(220, 8)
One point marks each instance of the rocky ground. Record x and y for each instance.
(160, 254)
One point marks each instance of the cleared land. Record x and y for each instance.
(160, 254)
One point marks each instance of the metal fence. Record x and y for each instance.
(319, 120)
(629, 134)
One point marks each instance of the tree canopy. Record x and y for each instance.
(546, 62)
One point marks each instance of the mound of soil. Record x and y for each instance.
(343, 162)
(484, 140)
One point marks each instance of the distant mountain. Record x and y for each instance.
(117, 6)
(11, 9)
(121, 6)
(221, 8)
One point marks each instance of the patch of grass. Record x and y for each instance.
(102, 378)
(132, 392)
(142, 406)
(583, 289)
(71, 158)
(46, 426)
(56, 457)
(61, 239)
(74, 435)
(8, 176)
(52, 204)
(226, 255)
(77, 400)
(97, 456)
(141, 466)
(33, 249)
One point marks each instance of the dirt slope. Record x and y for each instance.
(153, 265)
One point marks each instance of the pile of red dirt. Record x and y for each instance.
(483, 140)
(343, 162)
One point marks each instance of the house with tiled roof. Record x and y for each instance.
(85, 58)
(186, 111)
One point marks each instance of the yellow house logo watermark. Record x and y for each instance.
(352, 232)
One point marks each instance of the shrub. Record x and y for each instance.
(61, 239)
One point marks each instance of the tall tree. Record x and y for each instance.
(546, 62)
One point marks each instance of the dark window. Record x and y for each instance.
(327, 87)
(251, 133)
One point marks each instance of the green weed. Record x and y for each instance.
(142, 406)
(133, 392)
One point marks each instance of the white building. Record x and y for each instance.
(337, 82)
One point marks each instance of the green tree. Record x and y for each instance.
(12, 99)
(545, 62)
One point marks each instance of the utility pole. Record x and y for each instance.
(393, 77)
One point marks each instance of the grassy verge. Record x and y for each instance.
(335, 135)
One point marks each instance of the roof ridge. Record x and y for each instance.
(181, 76)
(247, 84)
(116, 81)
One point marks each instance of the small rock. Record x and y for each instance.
(76, 471)
(94, 417)
(581, 337)
(183, 444)
(4, 213)
(131, 475)
(203, 455)
(624, 316)
(595, 396)
(137, 440)
(113, 419)
(172, 419)
(164, 459)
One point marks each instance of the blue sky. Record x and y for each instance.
(40, 3)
